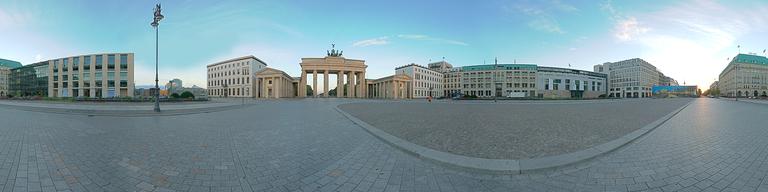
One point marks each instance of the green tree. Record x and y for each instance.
(175, 95)
(698, 92)
(187, 95)
(334, 92)
(309, 90)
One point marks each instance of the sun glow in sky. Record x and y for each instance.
(688, 40)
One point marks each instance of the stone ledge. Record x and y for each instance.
(509, 166)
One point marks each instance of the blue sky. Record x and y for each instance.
(687, 40)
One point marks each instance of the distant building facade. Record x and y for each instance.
(174, 86)
(234, 77)
(5, 75)
(424, 81)
(714, 88)
(396, 86)
(553, 82)
(95, 76)
(30, 80)
(273, 83)
(451, 77)
(745, 76)
(499, 80)
(631, 78)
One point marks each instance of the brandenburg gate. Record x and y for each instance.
(334, 63)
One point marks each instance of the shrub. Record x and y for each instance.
(187, 95)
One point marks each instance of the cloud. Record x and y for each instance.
(38, 58)
(542, 14)
(371, 42)
(563, 6)
(546, 24)
(690, 40)
(433, 39)
(628, 29)
(10, 19)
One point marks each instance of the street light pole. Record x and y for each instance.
(495, 68)
(156, 23)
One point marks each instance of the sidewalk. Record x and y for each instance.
(120, 109)
(758, 101)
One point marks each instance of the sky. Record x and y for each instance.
(689, 40)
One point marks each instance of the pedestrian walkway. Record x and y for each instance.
(305, 145)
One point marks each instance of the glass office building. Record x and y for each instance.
(96, 76)
(29, 80)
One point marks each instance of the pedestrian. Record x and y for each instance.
(429, 98)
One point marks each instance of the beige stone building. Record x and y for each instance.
(397, 86)
(4, 80)
(424, 81)
(234, 77)
(451, 77)
(273, 83)
(745, 76)
(631, 78)
(95, 76)
(350, 75)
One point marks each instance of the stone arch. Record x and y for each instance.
(754, 94)
(738, 95)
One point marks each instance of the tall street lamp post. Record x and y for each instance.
(495, 70)
(155, 23)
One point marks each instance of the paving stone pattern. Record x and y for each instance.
(304, 145)
(513, 129)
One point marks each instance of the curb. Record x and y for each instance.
(124, 113)
(509, 166)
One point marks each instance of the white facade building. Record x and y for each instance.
(553, 82)
(234, 77)
(502, 80)
(425, 82)
(631, 78)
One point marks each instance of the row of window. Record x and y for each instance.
(85, 84)
(578, 85)
(64, 65)
(508, 85)
(488, 93)
(231, 65)
(229, 92)
(87, 76)
(243, 71)
(231, 81)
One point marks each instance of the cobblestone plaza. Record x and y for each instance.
(711, 145)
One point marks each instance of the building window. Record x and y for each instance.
(99, 61)
(111, 61)
(65, 68)
(86, 62)
(123, 61)
(75, 63)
